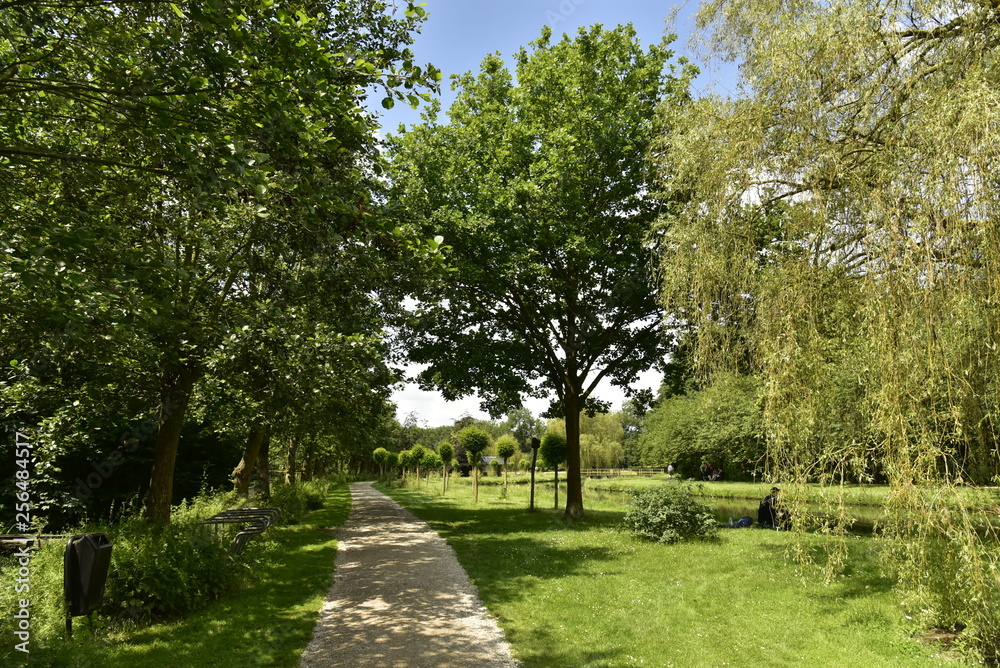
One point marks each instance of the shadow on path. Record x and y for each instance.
(400, 598)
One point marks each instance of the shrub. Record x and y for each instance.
(171, 570)
(46, 596)
(298, 499)
(155, 572)
(669, 514)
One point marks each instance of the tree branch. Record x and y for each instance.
(42, 153)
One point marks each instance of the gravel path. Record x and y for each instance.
(400, 598)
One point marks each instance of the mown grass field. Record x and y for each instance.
(567, 594)
(856, 495)
(587, 594)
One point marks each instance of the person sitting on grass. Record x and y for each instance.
(767, 512)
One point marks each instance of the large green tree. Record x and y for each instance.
(840, 234)
(718, 425)
(164, 165)
(540, 189)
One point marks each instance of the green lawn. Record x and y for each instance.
(586, 594)
(567, 594)
(983, 498)
(267, 624)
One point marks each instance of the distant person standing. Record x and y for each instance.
(670, 469)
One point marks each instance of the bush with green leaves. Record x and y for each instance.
(669, 514)
(169, 570)
(297, 499)
(155, 571)
(48, 620)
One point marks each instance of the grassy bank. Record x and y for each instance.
(268, 623)
(859, 495)
(855, 495)
(586, 594)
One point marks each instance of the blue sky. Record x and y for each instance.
(459, 33)
(456, 37)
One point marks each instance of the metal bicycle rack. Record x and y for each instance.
(255, 521)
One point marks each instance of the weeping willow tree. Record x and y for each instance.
(840, 238)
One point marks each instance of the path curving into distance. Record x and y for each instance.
(400, 598)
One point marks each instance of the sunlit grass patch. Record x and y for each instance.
(588, 594)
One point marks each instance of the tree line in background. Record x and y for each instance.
(604, 438)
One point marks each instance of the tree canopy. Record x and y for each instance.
(189, 195)
(839, 238)
(540, 191)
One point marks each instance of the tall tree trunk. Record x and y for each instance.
(243, 470)
(264, 466)
(307, 470)
(555, 470)
(574, 486)
(293, 449)
(534, 463)
(176, 385)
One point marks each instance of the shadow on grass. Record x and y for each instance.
(512, 555)
(552, 652)
(268, 623)
(520, 546)
(863, 574)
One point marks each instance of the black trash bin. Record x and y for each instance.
(85, 571)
